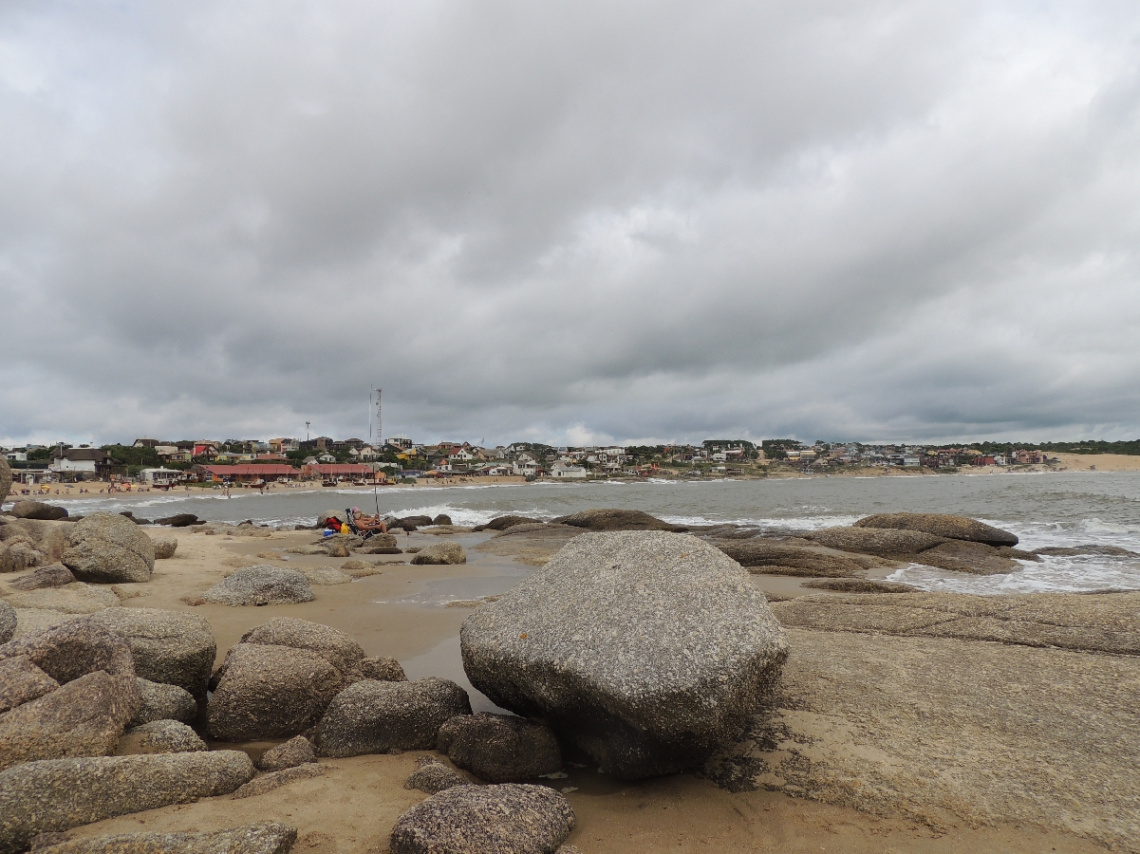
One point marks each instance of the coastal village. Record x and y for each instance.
(252, 462)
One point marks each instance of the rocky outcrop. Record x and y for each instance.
(896, 543)
(20, 553)
(261, 585)
(442, 519)
(967, 556)
(107, 548)
(501, 523)
(38, 510)
(270, 692)
(447, 553)
(500, 748)
(55, 575)
(614, 519)
(296, 751)
(942, 525)
(267, 838)
(5, 479)
(382, 669)
(531, 543)
(172, 647)
(78, 598)
(164, 547)
(485, 820)
(162, 702)
(375, 717)
(179, 520)
(83, 717)
(45, 541)
(161, 736)
(797, 557)
(57, 794)
(74, 649)
(276, 779)
(645, 650)
(433, 776)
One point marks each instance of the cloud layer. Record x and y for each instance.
(559, 221)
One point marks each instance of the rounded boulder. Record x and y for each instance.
(109, 549)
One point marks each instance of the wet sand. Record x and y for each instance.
(403, 612)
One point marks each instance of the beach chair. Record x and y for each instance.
(363, 533)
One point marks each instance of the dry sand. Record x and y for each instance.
(402, 612)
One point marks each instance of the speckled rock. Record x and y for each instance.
(884, 542)
(645, 650)
(267, 838)
(942, 525)
(433, 776)
(51, 538)
(276, 779)
(165, 547)
(168, 646)
(375, 717)
(74, 649)
(485, 820)
(5, 479)
(614, 519)
(161, 736)
(83, 717)
(38, 510)
(20, 553)
(108, 548)
(500, 748)
(446, 553)
(270, 692)
(7, 622)
(380, 668)
(296, 751)
(162, 702)
(55, 575)
(21, 682)
(261, 585)
(326, 576)
(57, 794)
(336, 647)
(78, 598)
(795, 556)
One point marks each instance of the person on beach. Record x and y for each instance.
(368, 523)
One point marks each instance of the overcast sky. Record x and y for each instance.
(570, 222)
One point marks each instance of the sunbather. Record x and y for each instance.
(363, 522)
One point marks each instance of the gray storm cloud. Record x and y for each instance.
(567, 221)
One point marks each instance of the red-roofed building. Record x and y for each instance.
(246, 473)
(338, 471)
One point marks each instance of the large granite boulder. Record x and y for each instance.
(50, 538)
(270, 692)
(613, 519)
(485, 820)
(54, 575)
(38, 510)
(5, 479)
(108, 548)
(20, 553)
(7, 622)
(500, 748)
(21, 682)
(74, 649)
(333, 645)
(57, 794)
(269, 837)
(84, 717)
(162, 702)
(447, 553)
(941, 525)
(645, 650)
(375, 717)
(168, 646)
(261, 585)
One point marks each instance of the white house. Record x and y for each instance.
(565, 472)
(161, 476)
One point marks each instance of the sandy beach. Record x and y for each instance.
(402, 611)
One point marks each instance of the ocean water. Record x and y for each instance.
(1048, 509)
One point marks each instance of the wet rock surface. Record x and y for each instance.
(942, 525)
(645, 650)
(615, 519)
(485, 820)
